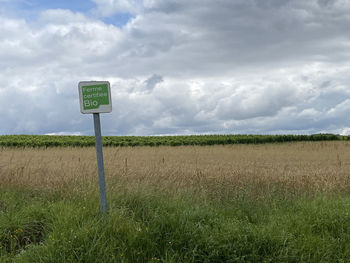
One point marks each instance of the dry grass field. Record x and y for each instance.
(212, 170)
(236, 203)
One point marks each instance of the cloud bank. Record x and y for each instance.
(180, 67)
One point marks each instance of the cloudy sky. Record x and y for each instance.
(177, 66)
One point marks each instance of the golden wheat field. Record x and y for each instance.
(290, 167)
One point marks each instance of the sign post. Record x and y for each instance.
(95, 98)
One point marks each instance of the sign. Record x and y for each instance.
(95, 97)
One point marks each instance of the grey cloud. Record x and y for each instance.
(221, 66)
(340, 111)
(216, 38)
(252, 102)
(152, 81)
(174, 108)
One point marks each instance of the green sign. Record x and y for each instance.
(95, 97)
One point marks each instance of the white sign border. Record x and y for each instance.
(102, 108)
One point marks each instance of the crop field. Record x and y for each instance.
(272, 202)
(83, 141)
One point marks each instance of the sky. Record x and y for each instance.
(177, 66)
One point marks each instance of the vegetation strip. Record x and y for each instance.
(83, 141)
(151, 227)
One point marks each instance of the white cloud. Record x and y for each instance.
(61, 17)
(110, 7)
(341, 110)
(181, 67)
(64, 133)
(311, 114)
(345, 131)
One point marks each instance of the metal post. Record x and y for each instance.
(100, 166)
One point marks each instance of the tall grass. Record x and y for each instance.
(252, 203)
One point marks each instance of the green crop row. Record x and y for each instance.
(82, 141)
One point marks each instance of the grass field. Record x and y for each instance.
(234, 203)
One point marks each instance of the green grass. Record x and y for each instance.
(149, 225)
(83, 141)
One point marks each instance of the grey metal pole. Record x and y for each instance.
(100, 166)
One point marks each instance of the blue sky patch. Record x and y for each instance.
(29, 9)
(118, 20)
(40, 5)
